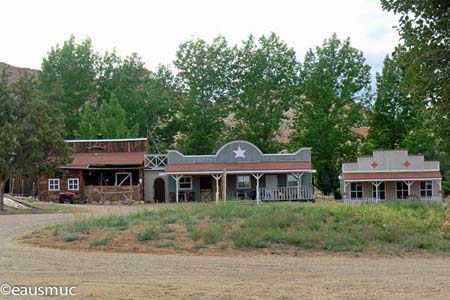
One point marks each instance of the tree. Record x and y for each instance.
(425, 33)
(267, 74)
(109, 121)
(204, 79)
(70, 71)
(336, 87)
(31, 132)
(396, 114)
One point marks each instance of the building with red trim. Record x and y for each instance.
(391, 175)
(238, 170)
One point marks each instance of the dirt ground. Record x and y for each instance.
(101, 275)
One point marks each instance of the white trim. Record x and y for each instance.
(107, 140)
(78, 183)
(388, 171)
(249, 182)
(59, 184)
(186, 189)
(241, 141)
(237, 172)
(395, 179)
(295, 179)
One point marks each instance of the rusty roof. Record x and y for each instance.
(85, 160)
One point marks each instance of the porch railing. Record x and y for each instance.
(155, 161)
(286, 193)
(376, 200)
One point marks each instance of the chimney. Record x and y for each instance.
(99, 136)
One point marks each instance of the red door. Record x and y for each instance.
(159, 190)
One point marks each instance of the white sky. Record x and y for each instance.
(154, 29)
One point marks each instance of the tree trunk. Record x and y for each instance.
(2, 190)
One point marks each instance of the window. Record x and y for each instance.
(73, 184)
(53, 184)
(356, 190)
(402, 190)
(243, 181)
(291, 180)
(426, 189)
(381, 191)
(185, 183)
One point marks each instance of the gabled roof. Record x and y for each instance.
(86, 160)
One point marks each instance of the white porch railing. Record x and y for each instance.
(375, 200)
(286, 193)
(155, 161)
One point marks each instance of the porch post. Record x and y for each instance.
(298, 176)
(177, 180)
(217, 178)
(345, 194)
(409, 183)
(224, 182)
(376, 184)
(257, 177)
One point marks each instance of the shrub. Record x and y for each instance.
(100, 242)
(148, 234)
(71, 238)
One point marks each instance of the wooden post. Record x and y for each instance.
(224, 182)
(377, 184)
(217, 178)
(298, 176)
(177, 180)
(409, 183)
(257, 177)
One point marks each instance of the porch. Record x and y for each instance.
(243, 186)
(361, 192)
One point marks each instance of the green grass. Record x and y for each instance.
(71, 238)
(391, 227)
(148, 234)
(100, 242)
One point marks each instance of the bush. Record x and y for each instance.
(149, 234)
(100, 242)
(71, 238)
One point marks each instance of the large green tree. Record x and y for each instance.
(31, 132)
(336, 87)
(266, 80)
(109, 120)
(396, 115)
(425, 33)
(204, 78)
(70, 72)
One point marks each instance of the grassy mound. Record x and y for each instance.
(389, 228)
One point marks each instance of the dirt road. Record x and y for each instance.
(100, 275)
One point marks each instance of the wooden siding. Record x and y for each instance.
(45, 195)
(108, 146)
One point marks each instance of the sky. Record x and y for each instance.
(155, 29)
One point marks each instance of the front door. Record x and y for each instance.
(271, 181)
(159, 189)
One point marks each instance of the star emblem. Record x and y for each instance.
(239, 152)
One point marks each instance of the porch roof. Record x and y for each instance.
(391, 176)
(239, 167)
(88, 160)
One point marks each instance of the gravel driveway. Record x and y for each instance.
(100, 275)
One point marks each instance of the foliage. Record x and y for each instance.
(266, 82)
(336, 88)
(31, 132)
(204, 79)
(69, 72)
(425, 32)
(109, 120)
(396, 114)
